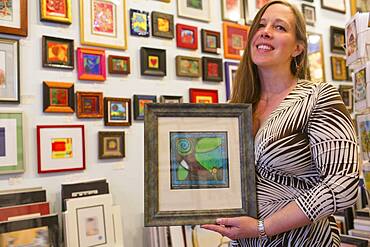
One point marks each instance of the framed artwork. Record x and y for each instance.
(337, 40)
(139, 23)
(351, 39)
(233, 10)
(360, 83)
(359, 6)
(162, 25)
(118, 64)
(188, 66)
(23, 196)
(103, 23)
(309, 14)
(235, 39)
(338, 68)
(59, 11)
(334, 5)
(346, 91)
(139, 104)
(111, 144)
(230, 72)
(12, 212)
(171, 99)
(9, 71)
(14, 17)
(195, 171)
(91, 64)
(89, 105)
(11, 142)
(212, 69)
(194, 9)
(186, 36)
(315, 52)
(117, 111)
(363, 130)
(210, 41)
(152, 61)
(57, 53)
(58, 96)
(206, 96)
(60, 148)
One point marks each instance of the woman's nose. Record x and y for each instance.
(265, 32)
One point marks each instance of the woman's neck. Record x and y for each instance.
(274, 83)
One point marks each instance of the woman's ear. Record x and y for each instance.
(298, 50)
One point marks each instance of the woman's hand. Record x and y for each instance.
(235, 228)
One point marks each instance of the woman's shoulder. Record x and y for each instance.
(316, 87)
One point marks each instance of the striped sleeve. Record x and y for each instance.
(334, 153)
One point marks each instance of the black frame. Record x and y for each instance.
(333, 47)
(145, 52)
(102, 135)
(155, 32)
(306, 6)
(204, 33)
(47, 64)
(205, 61)
(353, 240)
(137, 98)
(46, 86)
(147, 33)
(107, 121)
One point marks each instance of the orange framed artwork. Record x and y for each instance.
(235, 39)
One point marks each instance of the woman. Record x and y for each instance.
(305, 145)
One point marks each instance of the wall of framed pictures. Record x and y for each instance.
(115, 69)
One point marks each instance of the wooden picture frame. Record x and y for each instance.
(359, 6)
(139, 23)
(210, 41)
(212, 69)
(315, 53)
(117, 111)
(58, 97)
(171, 99)
(334, 5)
(199, 95)
(14, 19)
(338, 68)
(111, 144)
(169, 130)
(188, 66)
(230, 71)
(235, 39)
(162, 25)
(103, 24)
(186, 36)
(91, 64)
(11, 142)
(60, 148)
(57, 53)
(346, 92)
(119, 65)
(309, 14)
(139, 104)
(337, 40)
(198, 10)
(233, 11)
(59, 11)
(152, 61)
(89, 104)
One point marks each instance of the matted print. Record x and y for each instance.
(194, 9)
(205, 96)
(334, 5)
(233, 10)
(9, 71)
(14, 17)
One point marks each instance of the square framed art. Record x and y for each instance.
(186, 159)
(11, 142)
(91, 64)
(118, 64)
(235, 39)
(57, 53)
(58, 97)
(198, 95)
(233, 10)
(152, 61)
(117, 111)
(309, 14)
(139, 23)
(139, 104)
(188, 66)
(346, 92)
(334, 5)
(111, 144)
(210, 41)
(338, 68)
(59, 11)
(230, 72)
(89, 105)
(14, 17)
(186, 36)
(103, 23)
(60, 148)
(9, 71)
(212, 69)
(162, 25)
(337, 40)
(171, 99)
(195, 9)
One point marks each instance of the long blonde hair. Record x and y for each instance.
(246, 88)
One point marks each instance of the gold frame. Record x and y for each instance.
(323, 79)
(65, 20)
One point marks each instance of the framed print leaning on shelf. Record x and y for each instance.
(337, 40)
(198, 95)
(57, 53)
(235, 39)
(103, 23)
(188, 66)
(91, 64)
(59, 11)
(162, 25)
(90, 104)
(58, 96)
(230, 72)
(60, 148)
(334, 5)
(111, 144)
(14, 17)
(117, 111)
(11, 142)
(195, 171)
(194, 9)
(9, 71)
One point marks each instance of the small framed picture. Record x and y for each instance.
(14, 17)
(337, 40)
(309, 14)
(89, 104)
(57, 53)
(338, 68)
(162, 25)
(188, 66)
(118, 64)
(210, 41)
(334, 5)
(230, 72)
(60, 148)
(235, 39)
(91, 64)
(171, 99)
(117, 111)
(111, 144)
(139, 23)
(59, 11)
(198, 95)
(232, 10)
(212, 69)
(346, 91)
(153, 61)
(186, 36)
(139, 104)
(195, 9)
(58, 97)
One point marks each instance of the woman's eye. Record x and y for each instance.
(280, 28)
(261, 25)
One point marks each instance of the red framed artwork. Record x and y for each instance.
(91, 64)
(235, 39)
(90, 105)
(198, 95)
(187, 36)
(11, 212)
(212, 69)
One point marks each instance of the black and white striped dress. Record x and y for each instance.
(306, 152)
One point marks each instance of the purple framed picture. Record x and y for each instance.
(230, 71)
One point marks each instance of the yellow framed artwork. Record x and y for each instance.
(59, 11)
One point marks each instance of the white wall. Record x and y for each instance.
(125, 176)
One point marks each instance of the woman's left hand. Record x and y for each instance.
(235, 228)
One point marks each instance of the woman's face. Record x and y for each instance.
(274, 44)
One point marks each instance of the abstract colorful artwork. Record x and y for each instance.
(186, 36)
(235, 39)
(196, 4)
(139, 105)
(61, 148)
(91, 64)
(139, 22)
(58, 97)
(188, 66)
(38, 236)
(59, 11)
(104, 18)
(6, 10)
(57, 52)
